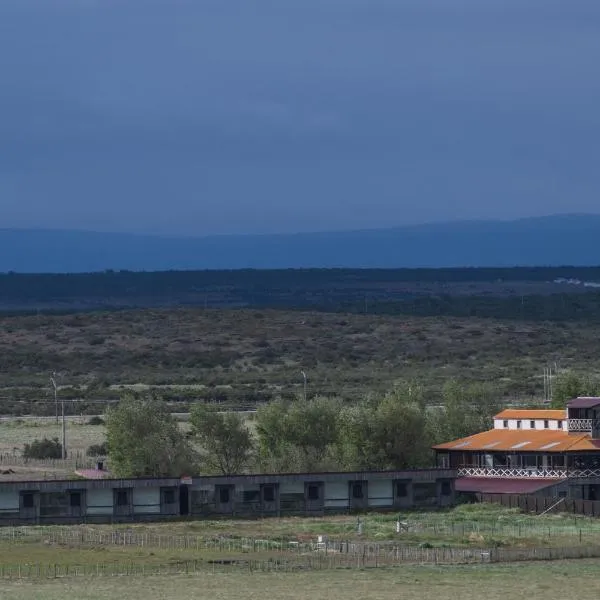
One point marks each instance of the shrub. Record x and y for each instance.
(98, 450)
(95, 420)
(43, 449)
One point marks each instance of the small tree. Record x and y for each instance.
(389, 432)
(227, 442)
(97, 450)
(569, 385)
(145, 441)
(43, 449)
(297, 435)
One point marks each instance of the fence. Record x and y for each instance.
(88, 536)
(75, 460)
(539, 504)
(420, 556)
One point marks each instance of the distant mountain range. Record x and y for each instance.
(544, 241)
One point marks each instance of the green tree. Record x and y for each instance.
(388, 432)
(227, 442)
(297, 435)
(145, 441)
(466, 409)
(569, 385)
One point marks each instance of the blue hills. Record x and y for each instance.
(541, 241)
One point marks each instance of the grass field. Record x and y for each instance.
(15, 434)
(477, 525)
(244, 356)
(535, 581)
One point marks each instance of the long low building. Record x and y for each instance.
(122, 500)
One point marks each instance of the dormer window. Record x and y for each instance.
(505, 423)
(519, 424)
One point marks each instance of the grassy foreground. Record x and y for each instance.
(536, 581)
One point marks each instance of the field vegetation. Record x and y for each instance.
(536, 581)
(212, 545)
(242, 358)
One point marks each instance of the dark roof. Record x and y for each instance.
(584, 402)
(503, 485)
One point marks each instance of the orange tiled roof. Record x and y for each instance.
(524, 441)
(515, 413)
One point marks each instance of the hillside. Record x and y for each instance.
(243, 357)
(554, 240)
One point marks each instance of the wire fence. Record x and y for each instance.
(419, 556)
(75, 460)
(85, 536)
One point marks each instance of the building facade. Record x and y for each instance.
(122, 500)
(553, 452)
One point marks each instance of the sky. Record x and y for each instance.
(196, 117)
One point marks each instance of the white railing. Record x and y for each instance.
(517, 472)
(584, 425)
(524, 473)
(584, 473)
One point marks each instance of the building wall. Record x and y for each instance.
(100, 501)
(381, 493)
(250, 496)
(146, 501)
(553, 424)
(337, 495)
(9, 502)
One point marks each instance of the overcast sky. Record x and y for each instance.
(213, 116)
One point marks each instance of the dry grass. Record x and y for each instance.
(535, 581)
(239, 353)
(15, 434)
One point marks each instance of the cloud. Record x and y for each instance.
(278, 114)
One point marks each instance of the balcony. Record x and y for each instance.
(527, 473)
(579, 425)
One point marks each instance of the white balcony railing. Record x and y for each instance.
(581, 425)
(527, 473)
(521, 473)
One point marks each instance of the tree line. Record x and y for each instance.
(394, 430)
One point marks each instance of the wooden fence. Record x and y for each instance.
(539, 504)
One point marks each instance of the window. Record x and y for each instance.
(446, 488)
(401, 489)
(269, 493)
(251, 496)
(518, 424)
(546, 424)
(313, 492)
(169, 496)
(357, 491)
(531, 424)
(224, 495)
(122, 499)
(505, 423)
(75, 499)
(28, 500)
(559, 423)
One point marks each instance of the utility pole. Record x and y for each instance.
(304, 376)
(62, 404)
(53, 382)
(64, 430)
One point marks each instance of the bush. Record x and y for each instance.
(98, 450)
(95, 421)
(43, 449)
